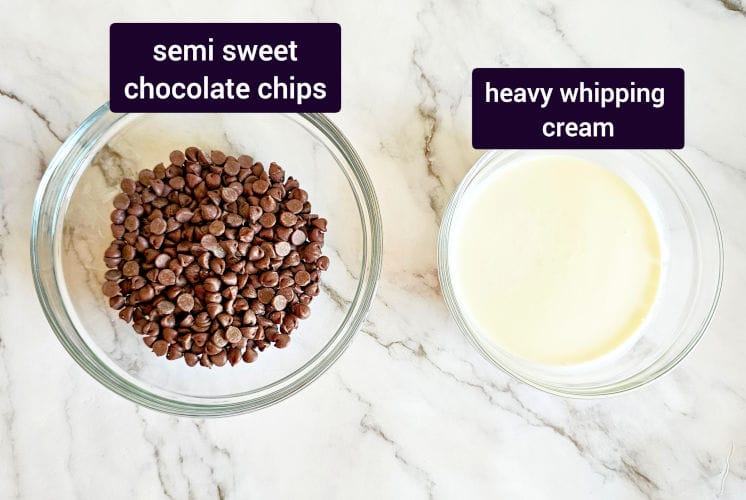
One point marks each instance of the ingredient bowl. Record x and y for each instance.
(691, 258)
(70, 232)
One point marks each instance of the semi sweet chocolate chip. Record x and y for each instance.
(131, 223)
(162, 260)
(233, 334)
(216, 228)
(165, 307)
(209, 212)
(185, 302)
(269, 279)
(110, 288)
(166, 277)
(228, 194)
(217, 157)
(302, 278)
(183, 215)
(177, 158)
(265, 295)
(288, 219)
(282, 340)
(122, 201)
(302, 310)
(260, 186)
(298, 237)
(157, 226)
(130, 268)
(232, 167)
(279, 302)
(128, 186)
(268, 220)
(160, 347)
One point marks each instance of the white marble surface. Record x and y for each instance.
(410, 411)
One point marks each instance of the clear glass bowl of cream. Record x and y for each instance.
(581, 273)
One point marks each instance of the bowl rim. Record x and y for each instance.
(42, 247)
(472, 337)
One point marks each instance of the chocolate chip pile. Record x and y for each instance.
(214, 257)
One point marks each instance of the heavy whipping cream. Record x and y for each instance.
(555, 259)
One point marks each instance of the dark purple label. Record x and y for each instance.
(225, 67)
(604, 108)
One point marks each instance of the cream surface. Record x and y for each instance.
(556, 259)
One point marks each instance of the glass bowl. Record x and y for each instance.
(691, 277)
(70, 231)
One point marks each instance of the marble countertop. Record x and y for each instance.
(410, 411)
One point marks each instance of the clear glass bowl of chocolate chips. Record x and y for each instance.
(208, 264)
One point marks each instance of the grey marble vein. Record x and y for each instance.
(368, 424)
(155, 446)
(550, 14)
(427, 112)
(14, 97)
(8, 414)
(734, 6)
(333, 294)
